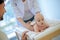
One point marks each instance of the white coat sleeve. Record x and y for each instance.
(16, 9)
(35, 6)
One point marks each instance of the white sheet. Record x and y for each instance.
(54, 25)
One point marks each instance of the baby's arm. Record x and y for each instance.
(47, 25)
(35, 28)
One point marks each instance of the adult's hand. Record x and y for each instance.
(29, 26)
(24, 35)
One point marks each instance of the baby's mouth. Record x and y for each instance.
(42, 26)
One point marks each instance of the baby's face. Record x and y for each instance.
(40, 20)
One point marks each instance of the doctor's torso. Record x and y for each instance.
(24, 8)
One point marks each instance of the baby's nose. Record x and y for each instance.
(41, 23)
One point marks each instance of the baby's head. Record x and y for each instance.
(39, 19)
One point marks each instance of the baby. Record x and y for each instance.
(40, 24)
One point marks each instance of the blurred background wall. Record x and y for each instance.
(50, 8)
